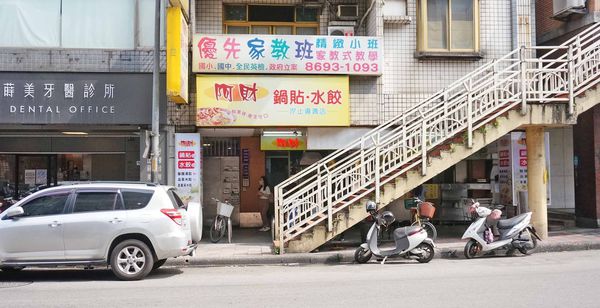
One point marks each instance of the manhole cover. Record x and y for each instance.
(13, 284)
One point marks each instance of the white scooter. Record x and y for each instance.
(410, 242)
(515, 233)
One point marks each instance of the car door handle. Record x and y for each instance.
(54, 224)
(115, 220)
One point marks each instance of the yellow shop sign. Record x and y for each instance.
(249, 100)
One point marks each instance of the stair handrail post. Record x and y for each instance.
(470, 114)
(404, 140)
(363, 170)
(523, 66)
(571, 76)
(329, 200)
(279, 219)
(423, 146)
(319, 185)
(377, 168)
(445, 105)
(540, 88)
(495, 82)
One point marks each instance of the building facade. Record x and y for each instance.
(424, 46)
(558, 21)
(76, 91)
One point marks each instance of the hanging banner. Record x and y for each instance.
(177, 56)
(512, 167)
(188, 167)
(234, 100)
(287, 54)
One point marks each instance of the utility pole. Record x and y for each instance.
(155, 99)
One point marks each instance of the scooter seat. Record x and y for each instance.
(403, 232)
(511, 222)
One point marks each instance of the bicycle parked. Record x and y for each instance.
(222, 222)
(422, 212)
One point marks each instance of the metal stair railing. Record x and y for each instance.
(519, 78)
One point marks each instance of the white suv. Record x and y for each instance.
(133, 227)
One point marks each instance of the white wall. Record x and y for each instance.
(561, 168)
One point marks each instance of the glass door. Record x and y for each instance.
(34, 172)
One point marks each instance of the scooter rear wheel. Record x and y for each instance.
(472, 248)
(533, 240)
(362, 255)
(428, 252)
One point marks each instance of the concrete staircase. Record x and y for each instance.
(511, 93)
(440, 159)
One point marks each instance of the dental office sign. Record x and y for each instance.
(75, 98)
(287, 54)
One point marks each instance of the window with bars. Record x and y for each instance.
(270, 19)
(219, 147)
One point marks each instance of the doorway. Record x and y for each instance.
(278, 167)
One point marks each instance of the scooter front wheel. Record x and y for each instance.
(472, 249)
(362, 255)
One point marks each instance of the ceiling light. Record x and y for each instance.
(282, 133)
(74, 133)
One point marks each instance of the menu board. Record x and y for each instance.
(188, 166)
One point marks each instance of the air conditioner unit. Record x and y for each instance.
(347, 12)
(340, 31)
(313, 3)
(565, 8)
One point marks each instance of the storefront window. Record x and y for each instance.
(78, 24)
(7, 175)
(23, 174)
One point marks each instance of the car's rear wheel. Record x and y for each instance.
(131, 260)
(11, 269)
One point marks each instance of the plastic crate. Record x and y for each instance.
(410, 203)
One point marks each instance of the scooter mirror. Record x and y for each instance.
(371, 206)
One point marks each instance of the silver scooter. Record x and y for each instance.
(515, 233)
(410, 242)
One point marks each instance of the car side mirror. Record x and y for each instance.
(14, 212)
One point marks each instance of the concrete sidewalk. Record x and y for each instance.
(250, 247)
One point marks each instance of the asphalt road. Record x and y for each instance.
(567, 279)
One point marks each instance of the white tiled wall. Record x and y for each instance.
(406, 80)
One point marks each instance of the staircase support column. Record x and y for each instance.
(536, 181)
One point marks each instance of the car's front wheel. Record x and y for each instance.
(131, 260)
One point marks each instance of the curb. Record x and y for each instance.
(347, 256)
